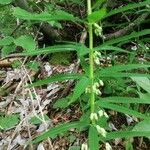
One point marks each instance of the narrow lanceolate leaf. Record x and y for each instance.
(128, 7)
(122, 109)
(97, 15)
(127, 37)
(110, 48)
(127, 134)
(143, 82)
(121, 75)
(119, 68)
(26, 42)
(58, 15)
(125, 100)
(59, 77)
(57, 130)
(53, 49)
(79, 89)
(93, 139)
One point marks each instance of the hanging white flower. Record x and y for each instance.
(84, 146)
(108, 147)
(100, 130)
(101, 83)
(100, 113)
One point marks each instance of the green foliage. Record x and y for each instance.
(89, 85)
(93, 139)
(5, 1)
(8, 122)
(38, 119)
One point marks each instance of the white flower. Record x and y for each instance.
(96, 60)
(108, 147)
(98, 92)
(105, 114)
(84, 146)
(100, 113)
(87, 90)
(93, 116)
(101, 130)
(101, 83)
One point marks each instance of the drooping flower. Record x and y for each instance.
(108, 147)
(84, 146)
(100, 130)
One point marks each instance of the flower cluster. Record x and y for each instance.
(97, 56)
(95, 88)
(98, 29)
(101, 131)
(94, 116)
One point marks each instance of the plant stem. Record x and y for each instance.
(91, 60)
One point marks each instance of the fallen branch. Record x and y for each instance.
(127, 29)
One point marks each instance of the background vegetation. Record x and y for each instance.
(74, 74)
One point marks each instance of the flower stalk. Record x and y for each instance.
(91, 60)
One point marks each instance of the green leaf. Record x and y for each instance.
(110, 48)
(93, 139)
(58, 15)
(57, 130)
(118, 68)
(121, 109)
(97, 15)
(6, 41)
(143, 126)
(143, 82)
(128, 7)
(6, 50)
(3, 2)
(57, 48)
(61, 103)
(38, 119)
(127, 37)
(59, 77)
(126, 134)
(125, 100)
(26, 42)
(8, 122)
(120, 75)
(79, 89)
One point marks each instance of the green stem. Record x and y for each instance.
(91, 60)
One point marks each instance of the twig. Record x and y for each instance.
(127, 29)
